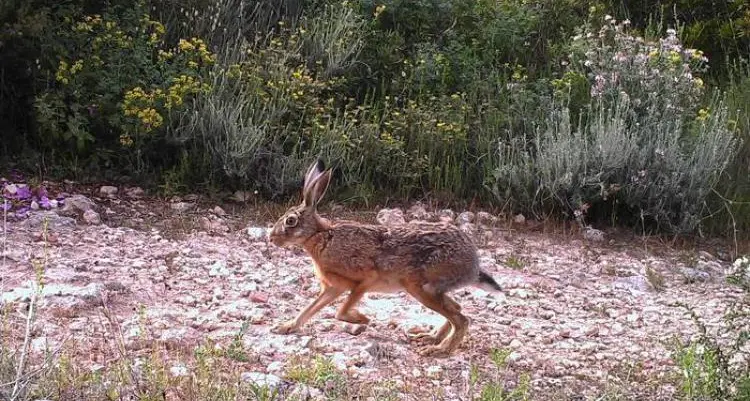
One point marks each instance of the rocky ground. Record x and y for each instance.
(581, 313)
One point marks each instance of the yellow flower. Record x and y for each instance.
(126, 140)
(76, 67)
(674, 57)
(165, 55)
(378, 10)
(703, 114)
(234, 71)
(158, 27)
(184, 45)
(83, 27)
(150, 118)
(192, 64)
(62, 72)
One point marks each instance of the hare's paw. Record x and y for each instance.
(427, 336)
(435, 351)
(436, 335)
(416, 333)
(286, 328)
(353, 317)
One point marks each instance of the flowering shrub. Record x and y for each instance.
(406, 144)
(658, 77)
(643, 149)
(117, 81)
(266, 106)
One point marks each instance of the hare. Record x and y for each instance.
(426, 260)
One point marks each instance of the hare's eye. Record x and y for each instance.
(291, 221)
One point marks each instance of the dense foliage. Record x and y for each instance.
(633, 112)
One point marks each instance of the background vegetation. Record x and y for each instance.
(629, 113)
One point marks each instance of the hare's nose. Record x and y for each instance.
(274, 234)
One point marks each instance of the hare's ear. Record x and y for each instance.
(315, 169)
(318, 188)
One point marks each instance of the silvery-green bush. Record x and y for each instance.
(642, 146)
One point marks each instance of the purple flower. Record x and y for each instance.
(44, 202)
(5, 205)
(23, 193)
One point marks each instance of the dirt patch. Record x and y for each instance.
(577, 316)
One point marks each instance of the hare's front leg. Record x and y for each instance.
(347, 312)
(327, 295)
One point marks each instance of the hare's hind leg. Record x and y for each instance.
(444, 305)
(438, 335)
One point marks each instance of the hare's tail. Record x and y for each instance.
(486, 282)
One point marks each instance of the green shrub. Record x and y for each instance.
(735, 189)
(259, 122)
(714, 364)
(117, 84)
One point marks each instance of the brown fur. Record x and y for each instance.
(427, 260)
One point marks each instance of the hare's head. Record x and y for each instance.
(301, 222)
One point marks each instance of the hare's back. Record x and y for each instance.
(427, 248)
(403, 247)
(440, 255)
